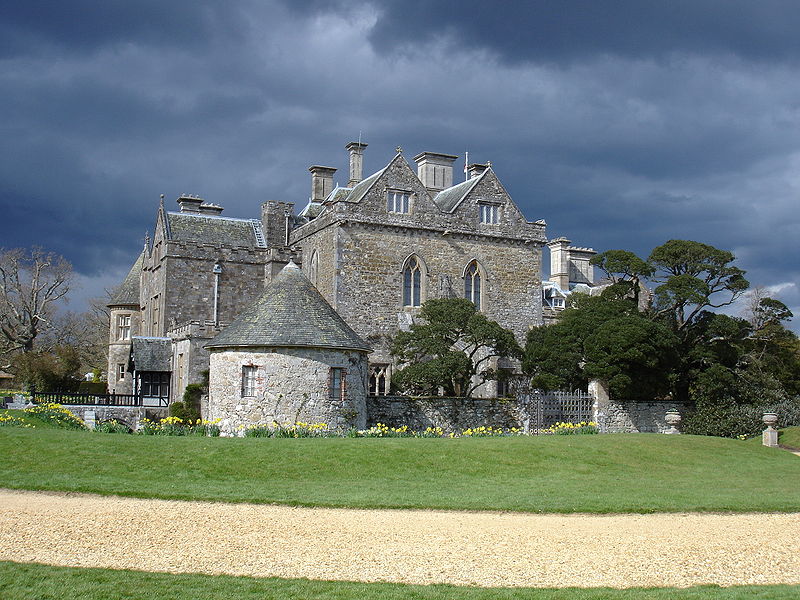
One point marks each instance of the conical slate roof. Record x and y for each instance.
(289, 313)
(128, 292)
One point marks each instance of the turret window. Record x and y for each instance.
(472, 284)
(249, 380)
(124, 327)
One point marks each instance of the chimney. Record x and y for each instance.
(559, 262)
(190, 203)
(434, 170)
(476, 169)
(211, 209)
(582, 270)
(356, 150)
(321, 182)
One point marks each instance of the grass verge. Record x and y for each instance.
(558, 474)
(790, 437)
(27, 581)
(29, 419)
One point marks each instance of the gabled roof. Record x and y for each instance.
(361, 188)
(151, 353)
(128, 292)
(212, 229)
(290, 313)
(448, 199)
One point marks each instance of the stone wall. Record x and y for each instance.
(128, 415)
(451, 414)
(292, 384)
(630, 416)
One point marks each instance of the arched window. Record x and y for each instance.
(472, 283)
(412, 282)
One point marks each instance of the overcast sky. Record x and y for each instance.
(622, 124)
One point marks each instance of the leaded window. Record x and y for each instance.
(472, 284)
(412, 282)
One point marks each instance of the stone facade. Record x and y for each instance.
(357, 245)
(292, 384)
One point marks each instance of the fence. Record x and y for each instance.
(100, 399)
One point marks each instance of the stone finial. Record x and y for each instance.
(399, 149)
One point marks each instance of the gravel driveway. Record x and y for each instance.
(464, 548)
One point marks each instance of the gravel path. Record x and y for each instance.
(465, 548)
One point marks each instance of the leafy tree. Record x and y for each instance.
(692, 277)
(602, 338)
(625, 270)
(452, 349)
(31, 284)
(55, 371)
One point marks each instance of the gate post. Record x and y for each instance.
(598, 389)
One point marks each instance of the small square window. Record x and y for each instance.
(490, 214)
(398, 202)
(558, 303)
(249, 380)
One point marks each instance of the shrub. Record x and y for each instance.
(736, 420)
(57, 415)
(111, 426)
(177, 426)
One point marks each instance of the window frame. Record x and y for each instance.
(123, 327)
(472, 274)
(249, 377)
(489, 213)
(337, 383)
(413, 271)
(398, 199)
(120, 371)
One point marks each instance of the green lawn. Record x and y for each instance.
(790, 437)
(590, 473)
(27, 581)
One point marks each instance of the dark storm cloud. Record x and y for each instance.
(622, 124)
(554, 30)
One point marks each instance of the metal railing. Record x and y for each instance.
(100, 399)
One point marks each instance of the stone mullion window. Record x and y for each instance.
(398, 202)
(472, 284)
(124, 327)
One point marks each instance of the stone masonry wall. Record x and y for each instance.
(451, 414)
(636, 417)
(292, 385)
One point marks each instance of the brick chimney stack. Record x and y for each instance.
(356, 150)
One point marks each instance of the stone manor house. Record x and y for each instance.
(319, 295)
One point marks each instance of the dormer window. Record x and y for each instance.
(558, 303)
(490, 213)
(398, 202)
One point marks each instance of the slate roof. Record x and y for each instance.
(360, 189)
(290, 313)
(151, 353)
(211, 229)
(450, 198)
(128, 292)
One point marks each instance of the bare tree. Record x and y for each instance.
(31, 283)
